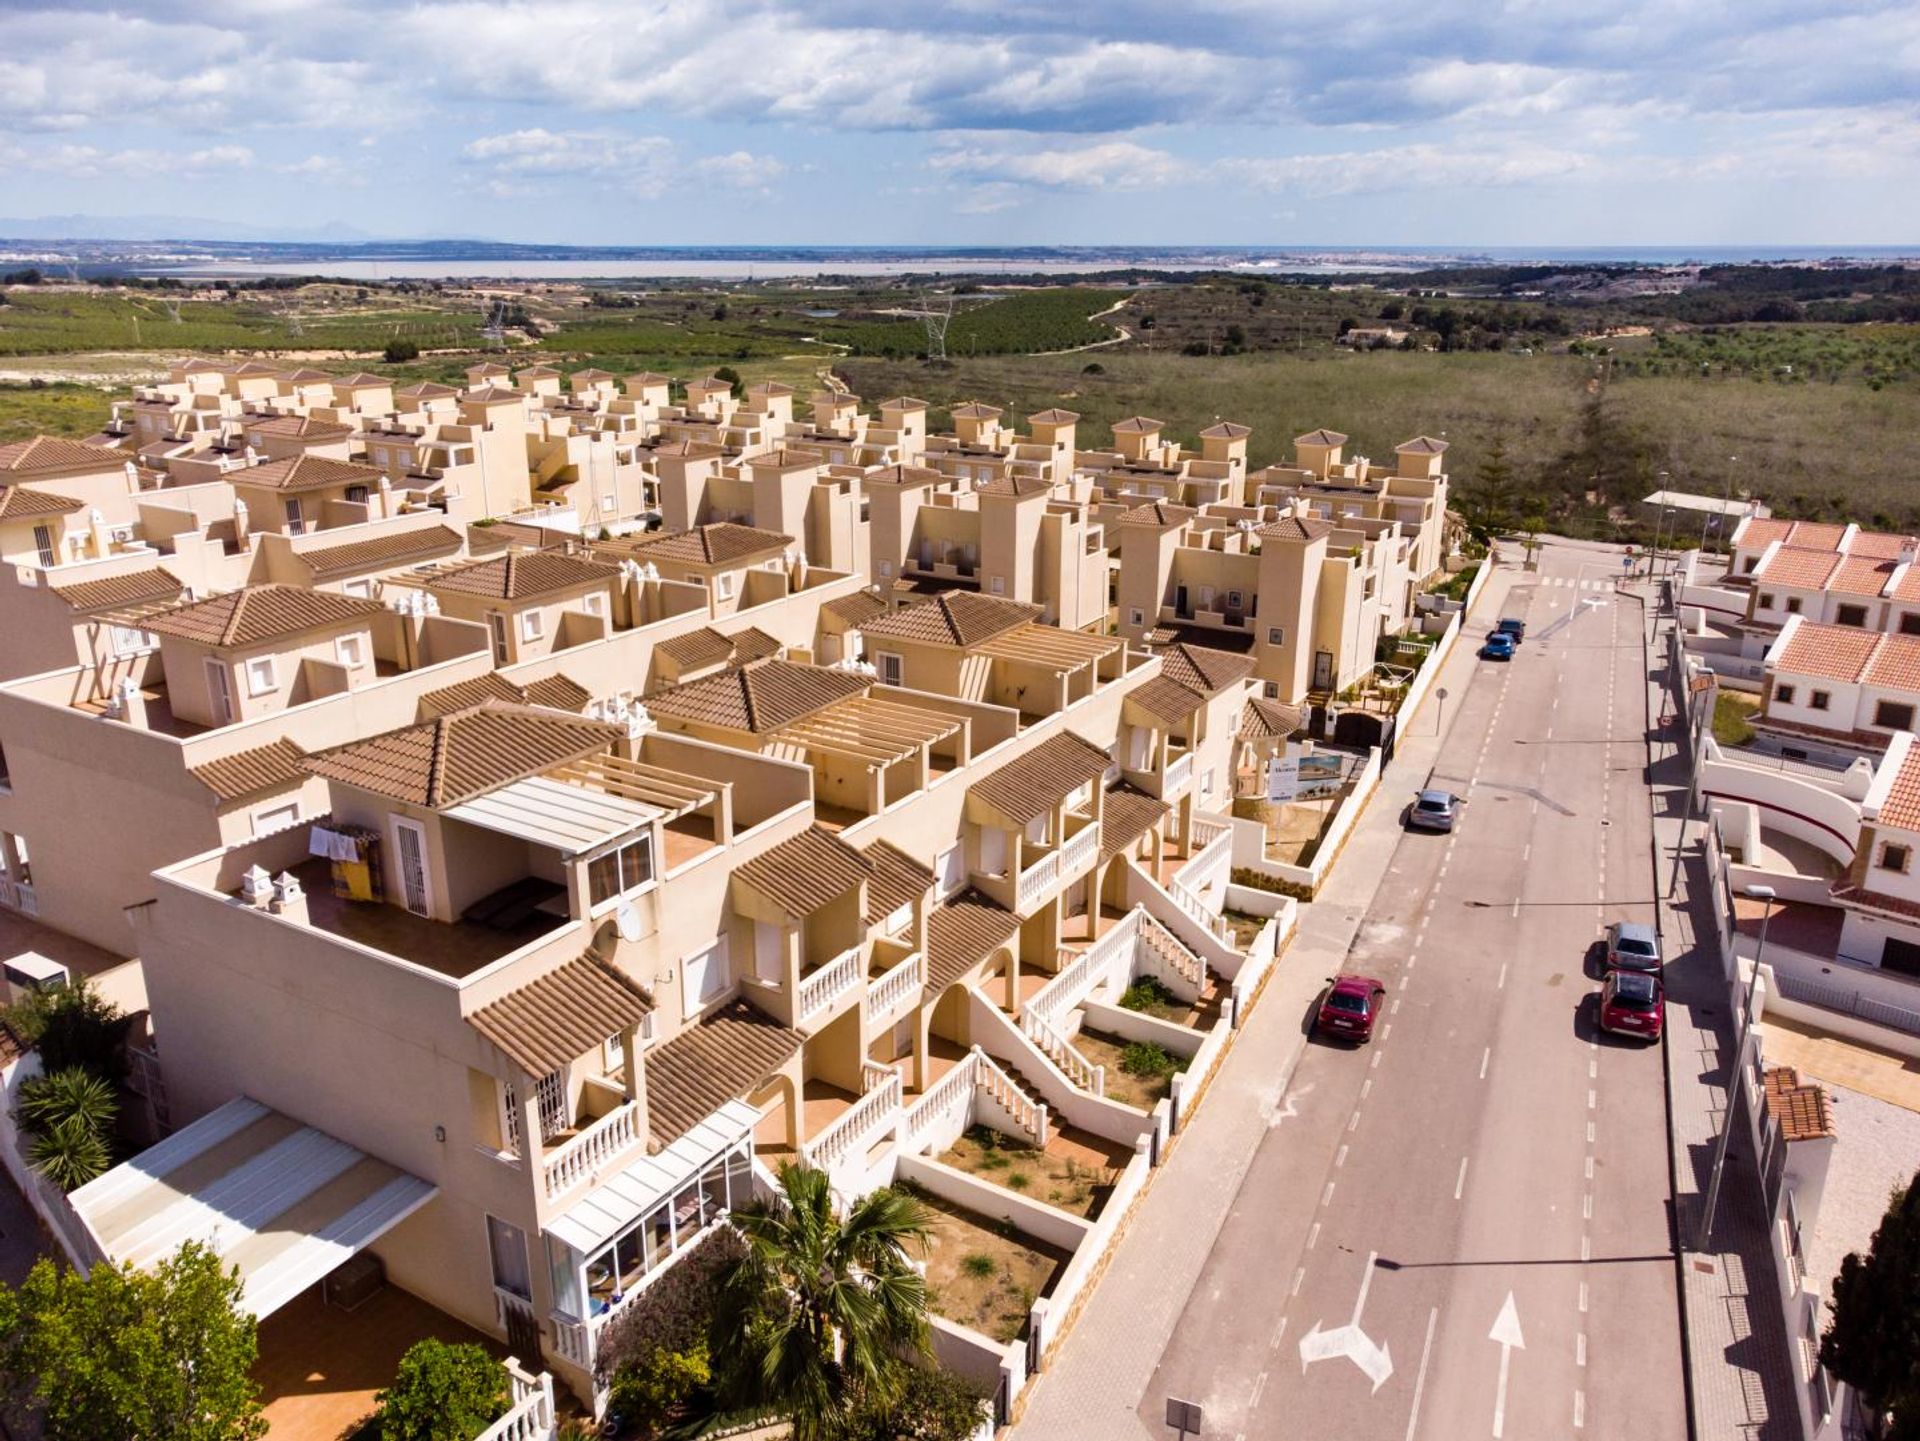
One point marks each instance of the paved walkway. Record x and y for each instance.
(1740, 1359)
(1098, 1379)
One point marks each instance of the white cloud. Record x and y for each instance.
(522, 161)
(1106, 165)
(88, 162)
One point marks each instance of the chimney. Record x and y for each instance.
(240, 522)
(126, 704)
(97, 529)
(289, 899)
(256, 888)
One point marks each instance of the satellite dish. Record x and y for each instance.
(628, 920)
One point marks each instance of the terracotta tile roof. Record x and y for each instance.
(1320, 437)
(897, 880)
(539, 372)
(1860, 575)
(18, 502)
(1421, 445)
(405, 547)
(427, 390)
(1127, 815)
(253, 772)
(715, 544)
(1297, 527)
(974, 410)
(1816, 535)
(590, 374)
(1226, 430)
(856, 609)
(761, 696)
(807, 872)
(1800, 1110)
(902, 475)
(360, 380)
(453, 758)
(1901, 809)
(1263, 719)
(306, 472)
(1157, 513)
(1832, 652)
(783, 460)
(1908, 588)
(555, 691)
(961, 933)
(51, 453)
(904, 402)
(1800, 568)
(260, 613)
(1757, 532)
(300, 427)
(1882, 544)
(134, 587)
(958, 618)
(727, 1053)
(1139, 425)
(1017, 486)
(707, 646)
(649, 377)
(1053, 415)
(521, 575)
(1205, 670)
(1166, 700)
(1032, 784)
(550, 1022)
(1895, 663)
(770, 388)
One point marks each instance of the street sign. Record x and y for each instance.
(1183, 1416)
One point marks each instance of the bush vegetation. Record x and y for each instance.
(443, 1391)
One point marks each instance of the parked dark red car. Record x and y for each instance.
(1633, 1003)
(1350, 1006)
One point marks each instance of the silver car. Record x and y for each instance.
(1433, 811)
(1632, 946)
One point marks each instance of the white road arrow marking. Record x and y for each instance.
(1349, 1340)
(1506, 1333)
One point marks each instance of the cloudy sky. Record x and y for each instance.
(1318, 122)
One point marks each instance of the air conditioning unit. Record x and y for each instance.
(30, 972)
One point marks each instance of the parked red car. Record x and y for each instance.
(1633, 1003)
(1350, 1006)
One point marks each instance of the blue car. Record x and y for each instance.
(1498, 647)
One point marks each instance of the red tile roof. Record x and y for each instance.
(1797, 567)
(1831, 652)
(260, 613)
(1901, 809)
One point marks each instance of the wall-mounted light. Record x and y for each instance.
(440, 1134)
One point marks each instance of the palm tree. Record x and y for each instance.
(832, 1300)
(45, 1101)
(69, 1153)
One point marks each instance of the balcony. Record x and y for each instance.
(895, 991)
(822, 989)
(1060, 864)
(586, 1156)
(848, 1139)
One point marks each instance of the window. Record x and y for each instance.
(351, 651)
(949, 871)
(276, 818)
(703, 976)
(1749, 565)
(998, 584)
(886, 567)
(1276, 635)
(618, 871)
(1768, 600)
(1136, 616)
(1206, 782)
(1783, 695)
(533, 625)
(130, 640)
(1793, 605)
(1854, 615)
(260, 675)
(507, 1249)
(891, 667)
(608, 504)
(723, 585)
(380, 456)
(497, 626)
(596, 604)
(1272, 690)
(1234, 599)
(357, 494)
(1910, 623)
(296, 522)
(1820, 700)
(1895, 858)
(1893, 715)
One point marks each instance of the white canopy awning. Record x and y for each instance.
(624, 1197)
(548, 812)
(283, 1202)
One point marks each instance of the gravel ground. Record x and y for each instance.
(1877, 1148)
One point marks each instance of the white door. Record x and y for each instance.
(219, 693)
(507, 1248)
(1139, 740)
(497, 624)
(703, 976)
(410, 850)
(993, 851)
(950, 870)
(768, 954)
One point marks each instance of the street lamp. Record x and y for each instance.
(1736, 1078)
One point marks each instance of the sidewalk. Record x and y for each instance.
(1097, 1383)
(1740, 1360)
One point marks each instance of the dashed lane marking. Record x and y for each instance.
(1460, 1181)
(1485, 1056)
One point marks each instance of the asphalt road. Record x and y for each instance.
(1476, 1205)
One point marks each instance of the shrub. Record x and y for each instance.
(1019, 1181)
(442, 1392)
(1147, 994)
(1147, 1059)
(69, 1153)
(398, 352)
(75, 1027)
(674, 1312)
(46, 1101)
(920, 1404)
(657, 1389)
(979, 1264)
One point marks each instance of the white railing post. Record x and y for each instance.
(828, 984)
(582, 1158)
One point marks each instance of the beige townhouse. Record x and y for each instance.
(533, 603)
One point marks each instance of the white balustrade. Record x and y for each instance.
(1080, 851)
(893, 991)
(1081, 971)
(1167, 945)
(877, 1108)
(1197, 910)
(950, 1093)
(1178, 775)
(828, 984)
(1029, 1113)
(532, 1416)
(1038, 879)
(584, 1156)
(1074, 1066)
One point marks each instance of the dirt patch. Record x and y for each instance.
(1142, 1092)
(1075, 1175)
(985, 1274)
